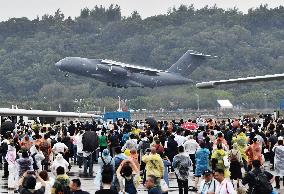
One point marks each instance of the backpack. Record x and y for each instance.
(261, 183)
(90, 141)
(61, 187)
(44, 146)
(234, 157)
(145, 145)
(183, 168)
(129, 186)
(107, 167)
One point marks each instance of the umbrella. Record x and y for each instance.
(151, 121)
(190, 126)
(7, 126)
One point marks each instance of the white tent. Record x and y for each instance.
(225, 104)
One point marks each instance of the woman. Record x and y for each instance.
(236, 162)
(128, 177)
(12, 166)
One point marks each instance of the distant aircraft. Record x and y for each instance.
(117, 74)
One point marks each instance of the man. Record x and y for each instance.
(179, 138)
(75, 187)
(190, 147)
(208, 185)
(259, 181)
(225, 186)
(59, 147)
(90, 144)
(28, 181)
(154, 164)
(151, 185)
(61, 184)
(181, 164)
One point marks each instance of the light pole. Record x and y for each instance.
(119, 108)
(197, 101)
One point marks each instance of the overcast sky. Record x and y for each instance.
(146, 8)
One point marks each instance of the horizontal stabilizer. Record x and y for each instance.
(212, 84)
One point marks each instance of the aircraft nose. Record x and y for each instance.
(58, 64)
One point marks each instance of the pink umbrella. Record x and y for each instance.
(190, 126)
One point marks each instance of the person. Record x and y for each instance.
(118, 158)
(25, 163)
(130, 144)
(102, 142)
(181, 164)
(37, 156)
(128, 177)
(75, 187)
(12, 166)
(208, 184)
(219, 159)
(152, 185)
(254, 153)
(26, 144)
(202, 162)
(242, 141)
(59, 147)
(190, 147)
(279, 161)
(154, 164)
(61, 184)
(225, 186)
(48, 182)
(259, 181)
(104, 160)
(45, 147)
(172, 148)
(167, 163)
(59, 161)
(236, 162)
(106, 188)
(27, 183)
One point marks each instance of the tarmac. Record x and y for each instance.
(88, 183)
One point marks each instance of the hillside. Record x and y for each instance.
(247, 44)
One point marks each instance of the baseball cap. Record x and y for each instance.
(207, 172)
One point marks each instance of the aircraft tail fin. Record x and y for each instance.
(188, 63)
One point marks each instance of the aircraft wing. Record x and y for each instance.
(132, 68)
(212, 84)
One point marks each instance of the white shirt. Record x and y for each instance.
(225, 187)
(211, 186)
(79, 143)
(180, 139)
(59, 147)
(190, 146)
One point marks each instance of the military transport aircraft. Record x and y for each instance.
(117, 74)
